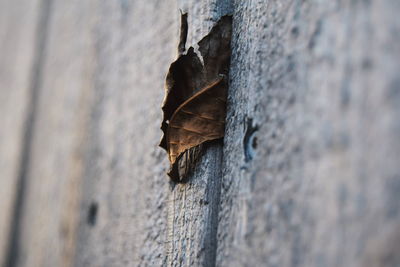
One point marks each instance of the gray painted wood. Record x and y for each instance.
(307, 174)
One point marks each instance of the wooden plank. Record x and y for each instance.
(141, 217)
(18, 22)
(193, 206)
(124, 206)
(46, 229)
(311, 173)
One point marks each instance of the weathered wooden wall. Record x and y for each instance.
(320, 80)
(308, 173)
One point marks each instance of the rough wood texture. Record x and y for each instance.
(307, 174)
(318, 183)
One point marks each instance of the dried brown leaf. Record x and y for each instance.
(199, 119)
(195, 103)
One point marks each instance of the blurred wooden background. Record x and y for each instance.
(308, 173)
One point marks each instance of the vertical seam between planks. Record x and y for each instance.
(171, 230)
(182, 225)
(190, 243)
(13, 245)
(213, 212)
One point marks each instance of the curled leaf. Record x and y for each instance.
(199, 119)
(195, 103)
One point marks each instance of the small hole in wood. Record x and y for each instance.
(295, 31)
(254, 143)
(92, 214)
(250, 141)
